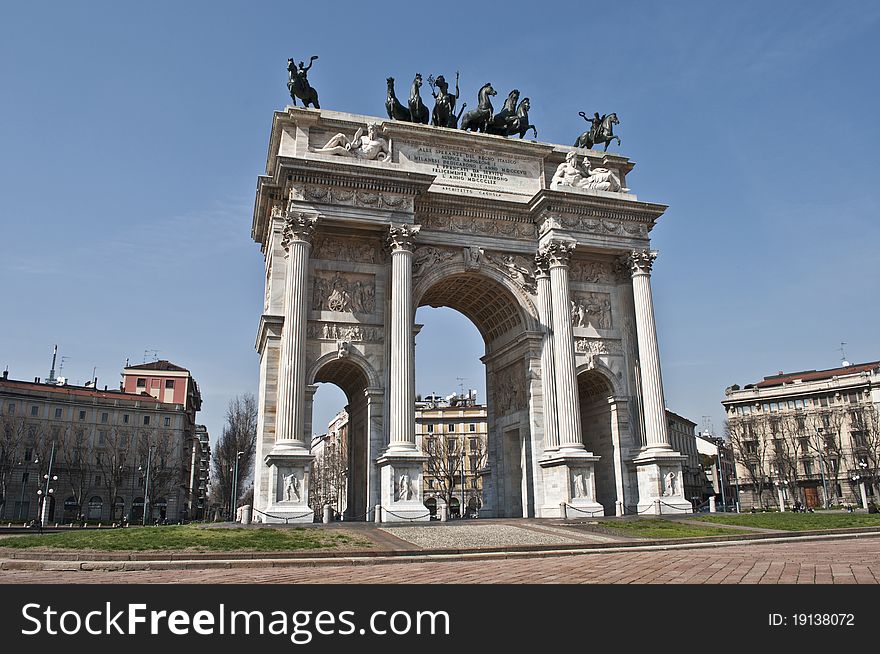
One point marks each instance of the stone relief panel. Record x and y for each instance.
(591, 310)
(594, 272)
(580, 484)
(352, 198)
(344, 292)
(290, 486)
(597, 346)
(344, 249)
(510, 389)
(343, 332)
(518, 268)
(427, 256)
(602, 222)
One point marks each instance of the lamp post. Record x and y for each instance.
(234, 487)
(779, 492)
(721, 483)
(147, 484)
(859, 478)
(822, 450)
(47, 492)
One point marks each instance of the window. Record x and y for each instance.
(125, 419)
(450, 444)
(11, 408)
(82, 415)
(123, 441)
(430, 427)
(799, 404)
(155, 383)
(167, 421)
(35, 410)
(808, 468)
(97, 480)
(430, 483)
(450, 427)
(28, 453)
(804, 444)
(104, 417)
(141, 382)
(473, 444)
(823, 400)
(146, 420)
(102, 437)
(169, 384)
(57, 413)
(472, 427)
(751, 447)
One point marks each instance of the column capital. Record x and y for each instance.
(558, 251)
(298, 226)
(401, 237)
(641, 261)
(542, 265)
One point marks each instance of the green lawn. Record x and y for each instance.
(659, 528)
(188, 537)
(788, 521)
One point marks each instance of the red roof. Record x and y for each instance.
(162, 364)
(80, 391)
(815, 375)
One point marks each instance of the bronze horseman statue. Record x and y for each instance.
(298, 83)
(601, 131)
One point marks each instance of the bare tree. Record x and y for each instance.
(239, 435)
(111, 460)
(12, 441)
(747, 438)
(77, 462)
(328, 480)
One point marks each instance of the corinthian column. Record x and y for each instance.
(558, 251)
(402, 405)
(548, 370)
(654, 405)
(290, 422)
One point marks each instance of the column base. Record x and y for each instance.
(287, 501)
(660, 480)
(570, 482)
(400, 492)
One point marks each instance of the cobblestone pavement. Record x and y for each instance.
(838, 561)
(485, 535)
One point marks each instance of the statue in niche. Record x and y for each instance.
(404, 488)
(575, 174)
(669, 484)
(291, 487)
(580, 485)
(369, 146)
(298, 83)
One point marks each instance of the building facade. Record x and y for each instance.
(453, 433)
(682, 438)
(721, 483)
(115, 454)
(808, 437)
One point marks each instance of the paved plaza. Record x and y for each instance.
(842, 560)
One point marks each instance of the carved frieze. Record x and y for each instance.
(518, 268)
(594, 272)
(596, 222)
(597, 346)
(482, 226)
(344, 332)
(346, 249)
(427, 256)
(352, 198)
(346, 292)
(591, 310)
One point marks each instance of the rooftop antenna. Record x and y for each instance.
(707, 424)
(63, 359)
(842, 350)
(51, 379)
(461, 381)
(154, 353)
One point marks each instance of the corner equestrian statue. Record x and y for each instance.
(601, 131)
(298, 83)
(444, 103)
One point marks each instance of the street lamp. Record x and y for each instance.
(859, 478)
(234, 487)
(721, 483)
(46, 492)
(147, 484)
(822, 464)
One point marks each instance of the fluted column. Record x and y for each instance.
(402, 435)
(290, 424)
(558, 252)
(653, 403)
(548, 369)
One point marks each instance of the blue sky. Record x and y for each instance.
(131, 136)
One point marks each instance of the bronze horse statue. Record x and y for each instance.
(520, 124)
(417, 109)
(479, 118)
(603, 133)
(396, 111)
(502, 120)
(298, 83)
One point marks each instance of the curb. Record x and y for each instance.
(272, 560)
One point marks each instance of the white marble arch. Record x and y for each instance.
(360, 382)
(514, 442)
(601, 430)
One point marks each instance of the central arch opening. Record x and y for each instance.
(479, 452)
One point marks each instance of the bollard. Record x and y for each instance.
(442, 510)
(563, 511)
(328, 512)
(247, 514)
(618, 508)
(712, 507)
(658, 510)
(378, 516)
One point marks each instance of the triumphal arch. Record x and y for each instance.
(543, 247)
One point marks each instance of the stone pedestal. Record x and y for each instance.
(288, 487)
(401, 487)
(658, 492)
(570, 481)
